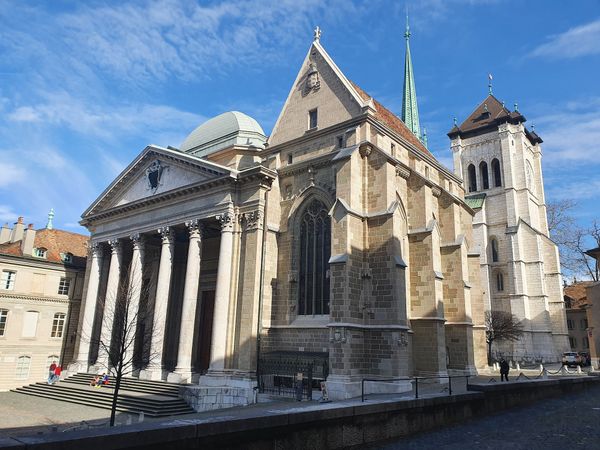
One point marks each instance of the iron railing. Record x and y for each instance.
(416, 380)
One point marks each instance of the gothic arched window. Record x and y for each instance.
(472, 178)
(483, 170)
(315, 250)
(499, 282)
(494, 245)
(496, 172)
(529, 176)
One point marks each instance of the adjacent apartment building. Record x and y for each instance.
(41, 281)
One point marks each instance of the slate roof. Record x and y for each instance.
(388, 118)
(55, 242)
(488, 115)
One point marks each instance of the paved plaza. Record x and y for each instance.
(565, 422)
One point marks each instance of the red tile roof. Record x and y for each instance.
(577, 293)
(388, 118)
(55, 242)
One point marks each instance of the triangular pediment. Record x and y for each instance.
(320, 85)
(154, 172)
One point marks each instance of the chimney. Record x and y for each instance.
(4, 234)
(28, 240)
(17, 231)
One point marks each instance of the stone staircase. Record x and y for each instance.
(153, 398)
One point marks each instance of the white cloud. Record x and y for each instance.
(571, 132)
(7, 215)
(12, 174)
(580, 190)
(579, 41)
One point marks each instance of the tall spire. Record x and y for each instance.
(410, 111)
(49, 225)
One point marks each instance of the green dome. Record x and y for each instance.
(223, 131)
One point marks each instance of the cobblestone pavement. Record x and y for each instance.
(564, 422)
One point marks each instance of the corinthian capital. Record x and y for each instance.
(115, 246)
(138, 240)
(166, 235)
(195, 227)
(253, 220)
(226, 220)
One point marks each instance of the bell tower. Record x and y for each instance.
(499, 160)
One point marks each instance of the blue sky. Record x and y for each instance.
(85, 86)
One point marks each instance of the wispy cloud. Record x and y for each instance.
(569, 132)
(579, 41)
(580, 190)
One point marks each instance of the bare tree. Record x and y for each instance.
(501, 326)
(126, 347)
(573, 240)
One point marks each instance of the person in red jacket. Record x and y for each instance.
(51, 370)
(55, 375)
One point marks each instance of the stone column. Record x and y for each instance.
(183, 370)
(110, 301)
(222, 294)
(91, 298)
(134, 294)
(161, 303)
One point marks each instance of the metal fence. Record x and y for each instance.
(292, 374)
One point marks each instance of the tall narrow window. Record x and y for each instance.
(393, 149)
(572, 342)
(3, 319)
(340, 141)
(496, 172)
(312, 119)
(500, 281)
(483, 170)
(472, 178)
(30, 320)
(58, 325)
(23, 365)
(586, 342)
(64, 285)
(494, 245)
(8, 280)
(315, 250)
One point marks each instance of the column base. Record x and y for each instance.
(153, 374)
(220, 390)
(182, 376)
(344, 388)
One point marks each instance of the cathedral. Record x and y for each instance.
(334, 250)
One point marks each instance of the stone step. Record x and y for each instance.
(152, 405)
(132, 384)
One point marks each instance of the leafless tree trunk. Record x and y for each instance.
(501, 326)
(120, 350)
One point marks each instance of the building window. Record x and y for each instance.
(8, 280)
(64, 285)
(472, 178)
(58, 325)
(40, 252)
(483, 170)
(569, 324)
(572, 342)
(427, 172)
(586, 342)
(315, 250)
(500, 281)
(584, 324)
(30, 320)
(67, 257)
(529, 176)
(393, 149)
(23, 365)
(3, 319)
(290, 158)
(312, 119)
(340, 141)
(496, 172)
(494, 246)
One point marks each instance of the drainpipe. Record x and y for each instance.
(260, 288)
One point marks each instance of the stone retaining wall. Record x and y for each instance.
(323, 427)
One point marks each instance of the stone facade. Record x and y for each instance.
(500, 161)
(42, 279)
(341, 239)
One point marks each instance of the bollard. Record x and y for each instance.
(541, 367)
(518, 366)
(579, 369)
(544, 374)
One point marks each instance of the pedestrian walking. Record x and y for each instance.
(504, 369)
